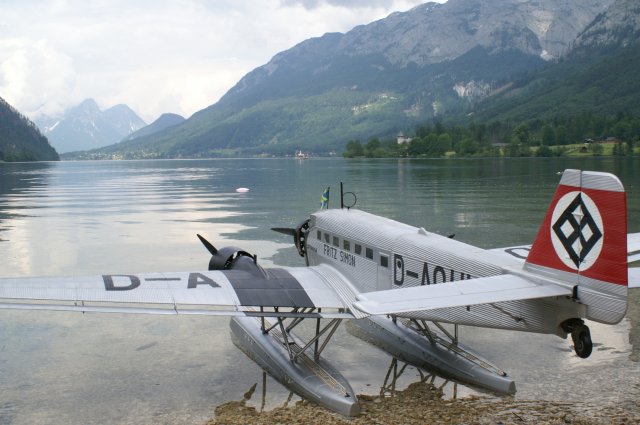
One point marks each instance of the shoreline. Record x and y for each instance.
(423, 402)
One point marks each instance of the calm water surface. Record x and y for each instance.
(74, 218)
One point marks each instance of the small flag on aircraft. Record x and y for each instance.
(324, 200)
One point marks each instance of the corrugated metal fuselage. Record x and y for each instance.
(376, 253)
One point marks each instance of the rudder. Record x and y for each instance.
(583, 240)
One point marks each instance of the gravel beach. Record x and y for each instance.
(423, 403)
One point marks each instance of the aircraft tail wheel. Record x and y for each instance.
(582, 341)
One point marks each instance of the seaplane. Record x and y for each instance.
(400, 287)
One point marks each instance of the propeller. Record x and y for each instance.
(212, 249)
(285, 230)
(231, 258)
(299, 235)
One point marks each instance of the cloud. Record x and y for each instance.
(155, 56)
(347, 4)
(36, 76)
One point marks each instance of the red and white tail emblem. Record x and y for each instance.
(585, 230)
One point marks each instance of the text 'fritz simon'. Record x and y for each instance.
(340, 255)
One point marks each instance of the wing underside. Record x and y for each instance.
(310, 292)
(484, 290)
(318, 291)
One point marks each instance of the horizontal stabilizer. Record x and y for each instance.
(634, 277)
(520, 252)
(483, 290)
(633, 247)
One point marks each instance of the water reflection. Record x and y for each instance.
(392, 380)
(129, 216)
(91, 211)
(399, 376)
(247, 402)
(14, 180)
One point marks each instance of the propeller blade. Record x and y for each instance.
(285, 230)
(212, 249)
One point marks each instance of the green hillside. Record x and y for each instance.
(20, 139)
(601, 82)
(457, 63)
(360, 99)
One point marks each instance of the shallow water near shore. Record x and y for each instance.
(132, 216)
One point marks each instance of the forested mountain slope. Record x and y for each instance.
(20, 139)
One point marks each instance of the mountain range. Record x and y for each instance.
(464, 59)
(20, 139)
(163, 122)
(597, 76)
(86, 126)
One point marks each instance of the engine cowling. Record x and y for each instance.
(231, 258)
(300, 238)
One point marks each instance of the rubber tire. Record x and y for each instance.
(582, 343)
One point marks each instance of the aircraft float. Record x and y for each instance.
(396, 285)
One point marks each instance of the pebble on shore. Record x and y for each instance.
(422, 403)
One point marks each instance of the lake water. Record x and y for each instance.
(76, 218)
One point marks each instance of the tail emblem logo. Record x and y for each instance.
(577, 231)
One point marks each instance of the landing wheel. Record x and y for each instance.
(582, 341)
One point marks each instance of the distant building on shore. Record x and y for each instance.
(402, 140)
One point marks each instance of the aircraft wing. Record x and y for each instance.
(228, 292)
(460, 293)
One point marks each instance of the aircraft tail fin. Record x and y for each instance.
(583, 240)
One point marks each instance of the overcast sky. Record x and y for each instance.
(155, 55)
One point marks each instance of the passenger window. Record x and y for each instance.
(326, 237)
(384, 261)
(319, 234)
(346, 245)
(358, 249)
(336, 241)
(369, 253)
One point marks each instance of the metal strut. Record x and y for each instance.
(390, 386)
(394, 373)
(454, 337)
(518, 319)
(422, 327)
(333, 325)
(287, 344)
(295, 322)
(292, 347)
